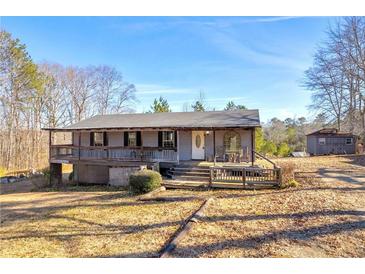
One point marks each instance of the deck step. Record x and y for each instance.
(196, 169)
(185, 173)
(183, 184)
(191, 178)
(192, 173)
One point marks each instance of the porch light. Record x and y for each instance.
(207, 132)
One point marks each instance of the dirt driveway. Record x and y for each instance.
(352, 177)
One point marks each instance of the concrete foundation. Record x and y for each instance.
(93, 174)
(119, 176)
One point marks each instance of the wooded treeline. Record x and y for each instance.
(34, 96)
(337, 77)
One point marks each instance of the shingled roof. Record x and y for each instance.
(203, 120)
(330, 132)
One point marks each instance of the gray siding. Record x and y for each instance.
(115, 139)
(312, 144)
(150, 138)
(185, 145)
(85, 138)
(334, 145)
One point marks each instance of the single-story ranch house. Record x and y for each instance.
(108, 148)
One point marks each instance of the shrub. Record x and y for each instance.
(287, 175)
(144, 181)
(269, 148)
(283, 150)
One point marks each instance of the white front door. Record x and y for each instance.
(198, 146)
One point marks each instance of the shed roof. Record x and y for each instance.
(330, 131)
(203, 120)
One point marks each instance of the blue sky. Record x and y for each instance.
(255, 61)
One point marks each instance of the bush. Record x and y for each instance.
(144, 181)
(292, 183)
(287, 175)
(269, 148)
(283, 150)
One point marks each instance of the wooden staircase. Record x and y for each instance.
(187, 176)
(189, 173)
(240, 177)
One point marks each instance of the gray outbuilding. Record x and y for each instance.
(331, 141)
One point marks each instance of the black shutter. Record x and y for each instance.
(139, 138)
(125, 138)
(175, 135)
(91, 139)
(160, 139)
(105, 138)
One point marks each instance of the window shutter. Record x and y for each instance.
(105, 138)
(175, 135)
(91, 139)
(125, 138)
(139, 138)
(160, 139)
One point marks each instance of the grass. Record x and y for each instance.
(87, 224)
(317, 218)
(314, 164)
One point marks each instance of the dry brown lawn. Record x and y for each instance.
(318, 163)
(320, 218)
(87, 224)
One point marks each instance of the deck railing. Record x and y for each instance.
(245, 175)
(113, 153)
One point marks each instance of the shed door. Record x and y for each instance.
(198, 145)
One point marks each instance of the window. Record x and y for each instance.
(322, 141)
(348, 141)
(98, 139)
(132, 139)
(232, 141)
(198, 141)
(168, 139)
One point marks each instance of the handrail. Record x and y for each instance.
(112, 147)
(265, 158)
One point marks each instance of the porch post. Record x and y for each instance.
(78, 163)
(214, 146)
(50, 154)
(178, 146)
(252, 146)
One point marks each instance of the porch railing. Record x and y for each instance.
(113, 153)
(245, 175)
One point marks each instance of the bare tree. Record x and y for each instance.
(337, 77)
(80, 84)
(112, 93)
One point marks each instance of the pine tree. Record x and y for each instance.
(160, 105)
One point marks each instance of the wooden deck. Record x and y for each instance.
(226, 176)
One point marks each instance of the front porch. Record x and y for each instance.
(164, 145)
(109, 154)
